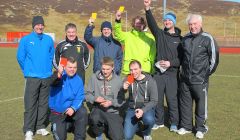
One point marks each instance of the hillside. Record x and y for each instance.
(16, 15)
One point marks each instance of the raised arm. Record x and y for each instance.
(88, 34)
(152, 24)
(119, 34)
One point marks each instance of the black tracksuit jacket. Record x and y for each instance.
(168, 45)
(200, 57)
(76, 49)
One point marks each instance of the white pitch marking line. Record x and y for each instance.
(8, 100)
(230, 76)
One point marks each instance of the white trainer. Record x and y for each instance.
(199, 135)
(183, 131)
(42, 132)
(155, 126)
(29, 135)
(147, 138)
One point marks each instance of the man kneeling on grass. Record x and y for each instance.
(66, 103)
(142, 101)
(103, 92)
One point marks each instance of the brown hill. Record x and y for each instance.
(16, 15)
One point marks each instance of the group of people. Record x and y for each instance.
(152, 66)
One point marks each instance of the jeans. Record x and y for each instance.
(131, 123)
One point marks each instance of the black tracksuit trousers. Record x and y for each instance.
(101, 120)
(167, 84)
(188, 94)
(61, 124)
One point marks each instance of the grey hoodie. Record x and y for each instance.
(112, 91)
(143, 94)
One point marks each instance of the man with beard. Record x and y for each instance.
(138, 44)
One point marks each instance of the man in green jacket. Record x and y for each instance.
(138, 44)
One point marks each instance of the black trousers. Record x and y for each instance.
(188, 94)
(61, 124)
(167, 84)
(36, 104)
(99, 120)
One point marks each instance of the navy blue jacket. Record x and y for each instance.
(104, 46)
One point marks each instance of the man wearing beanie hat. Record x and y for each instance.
(167, 64)
(104, 45)
(34, 55)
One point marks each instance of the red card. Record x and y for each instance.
(63, 61)
(130, 78)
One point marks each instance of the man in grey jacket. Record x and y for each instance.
(143, 98)
(103, 92)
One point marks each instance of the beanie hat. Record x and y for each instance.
(106, 24)
(37, 20)
(171, 16)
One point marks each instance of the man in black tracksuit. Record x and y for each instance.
(199, 61)
(73, 47)
(167, 63)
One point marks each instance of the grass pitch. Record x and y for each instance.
(223, 102)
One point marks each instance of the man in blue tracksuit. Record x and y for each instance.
(34, 55)
(104, 45)
(66, 102)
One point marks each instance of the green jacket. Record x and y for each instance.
(137, 45)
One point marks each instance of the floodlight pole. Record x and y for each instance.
(164, 7)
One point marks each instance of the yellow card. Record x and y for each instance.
(94, 15)
(121, 8)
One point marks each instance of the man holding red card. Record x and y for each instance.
(143, 97)
(72, 47)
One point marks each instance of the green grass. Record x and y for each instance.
(224, 101)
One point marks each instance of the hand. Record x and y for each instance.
(126, 85)
(164, 64)
(69, 111)
(118, 15)
(60, 70)
(100, 99)
(138, 113)
(91, 21)
(147, 4)
(106, 104)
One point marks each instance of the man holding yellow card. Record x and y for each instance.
(104, 45)
(138, 44)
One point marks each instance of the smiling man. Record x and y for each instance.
(142, 101)
(35, 55)
(104, 45)
(73, 47)
(66, 103)
(168, 43)
(200, 60)
(138, 44)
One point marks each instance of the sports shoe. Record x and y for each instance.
(100, 137)
(42, 132)
(199, 135)
(155, 126)
(28, 135)
(183, 131)
(147, 138)
(173, 128)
